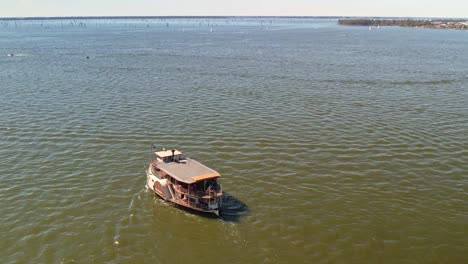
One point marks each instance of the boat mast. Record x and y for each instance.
(153, 148)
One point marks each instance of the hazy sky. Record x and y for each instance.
(402, 8)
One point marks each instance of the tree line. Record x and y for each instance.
(405, 23)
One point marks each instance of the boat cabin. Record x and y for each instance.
(168, 155)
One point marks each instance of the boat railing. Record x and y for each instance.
(180, 189)
(193, 193)
(198, 205)
(204, 206)
(188, 192)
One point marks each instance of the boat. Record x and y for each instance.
(184, 181)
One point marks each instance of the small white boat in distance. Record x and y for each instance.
(184, 181)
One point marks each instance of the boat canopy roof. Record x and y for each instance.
(166, 153)
(188, 170)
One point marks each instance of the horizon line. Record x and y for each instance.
(211, 16)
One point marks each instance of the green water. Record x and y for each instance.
(336, 144)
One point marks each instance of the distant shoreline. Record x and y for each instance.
(436, 23)
(158, 17)
(460, 24)
(198, 17)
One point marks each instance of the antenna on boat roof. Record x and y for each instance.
(153, 147)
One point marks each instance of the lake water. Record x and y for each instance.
(336, 144)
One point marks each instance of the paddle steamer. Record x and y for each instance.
(184, 181)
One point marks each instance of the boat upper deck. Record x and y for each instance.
(187, 170)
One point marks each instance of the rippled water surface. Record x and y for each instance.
(336, 144)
